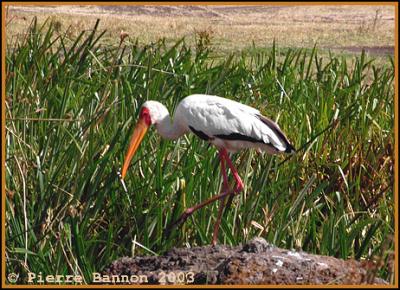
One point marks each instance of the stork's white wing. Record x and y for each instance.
(217, 117)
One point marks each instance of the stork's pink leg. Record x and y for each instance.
(239, 183)
(225, 192)
(225, 186)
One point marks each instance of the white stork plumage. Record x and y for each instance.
(227, 124)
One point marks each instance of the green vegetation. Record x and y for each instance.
(71, 105)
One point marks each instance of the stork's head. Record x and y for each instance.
(151, 113)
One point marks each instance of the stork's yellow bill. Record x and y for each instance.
(137, 137)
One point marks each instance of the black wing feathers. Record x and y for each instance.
(271, 124)
(200, 134)
(240, 137)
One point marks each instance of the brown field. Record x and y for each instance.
(348, 28)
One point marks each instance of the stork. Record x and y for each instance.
(227, 124)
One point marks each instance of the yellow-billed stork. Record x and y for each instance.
(227, 124)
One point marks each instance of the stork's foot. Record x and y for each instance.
(188, 212)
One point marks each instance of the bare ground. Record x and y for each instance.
(337, 27)
(256, 262)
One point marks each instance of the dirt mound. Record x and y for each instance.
(257, 262)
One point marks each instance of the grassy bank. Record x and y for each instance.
(71, 104)
(231, 27)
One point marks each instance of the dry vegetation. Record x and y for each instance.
(230, 27)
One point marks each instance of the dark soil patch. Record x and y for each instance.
(166, 11)
(257, 262)
(374, 50)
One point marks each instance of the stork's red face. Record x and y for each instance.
(141, 128)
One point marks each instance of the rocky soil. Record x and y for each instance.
(256, 262)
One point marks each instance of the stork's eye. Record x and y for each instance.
(145, 115)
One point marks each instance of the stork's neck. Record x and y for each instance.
(169, 129)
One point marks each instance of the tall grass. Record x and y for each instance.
(71, 105)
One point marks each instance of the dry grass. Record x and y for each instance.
(230, 27)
